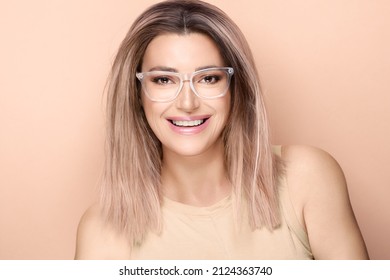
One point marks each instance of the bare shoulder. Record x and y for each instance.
(98, 240)
(311, 171)
(306, 158)
(320, 197)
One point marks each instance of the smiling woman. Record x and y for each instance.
(190, 171)
(191, 123)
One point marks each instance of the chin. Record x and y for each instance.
(194, 148)
(186, 151)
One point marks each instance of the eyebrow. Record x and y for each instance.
(170, 69)
(162, 68)
(206, 67)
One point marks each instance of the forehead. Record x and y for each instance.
(183, 52)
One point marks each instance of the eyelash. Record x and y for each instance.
(214, 78)
(162, 80)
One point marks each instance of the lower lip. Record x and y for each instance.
(184, 130)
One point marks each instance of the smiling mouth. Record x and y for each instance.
(193, 123)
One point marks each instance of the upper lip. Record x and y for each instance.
(188, 118)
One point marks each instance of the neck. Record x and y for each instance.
(199, 180)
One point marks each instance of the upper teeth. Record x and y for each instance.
(188, 123)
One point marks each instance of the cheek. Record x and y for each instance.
(221, 108)
(153, 112)
(225, 111)
(149, 108)
(224, 107)
(148, 111)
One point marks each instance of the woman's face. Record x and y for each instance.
(188, 125)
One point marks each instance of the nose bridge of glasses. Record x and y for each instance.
(186, 77)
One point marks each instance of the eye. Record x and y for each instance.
(162, 80)
(210, 79)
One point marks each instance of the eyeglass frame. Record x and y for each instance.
(184, 77)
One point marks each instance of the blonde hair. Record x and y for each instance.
(131, 196)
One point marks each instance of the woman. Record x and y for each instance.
(190, 172)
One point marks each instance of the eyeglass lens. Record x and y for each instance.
(164, 86)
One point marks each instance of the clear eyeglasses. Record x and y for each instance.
(165, 86)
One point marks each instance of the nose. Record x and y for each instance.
(187, 100)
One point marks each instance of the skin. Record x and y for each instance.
(319, 194)
(193, 171)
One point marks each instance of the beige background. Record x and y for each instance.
(325, 68)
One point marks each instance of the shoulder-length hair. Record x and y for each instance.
(131, 196)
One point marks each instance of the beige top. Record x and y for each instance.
(210, 233)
